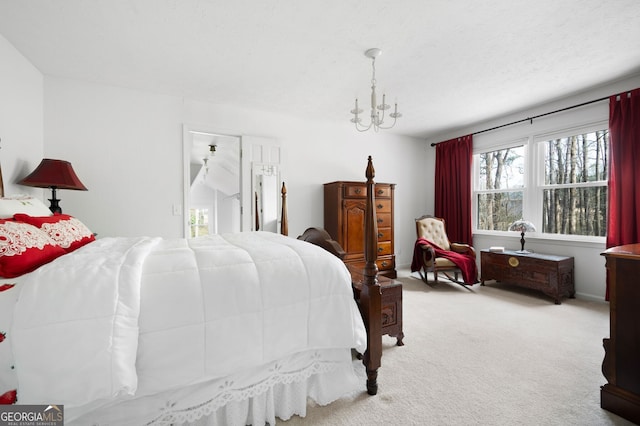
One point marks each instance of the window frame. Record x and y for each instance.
(524, 142)
(534, 186)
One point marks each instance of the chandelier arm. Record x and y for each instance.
(364, 129)
(388, 127)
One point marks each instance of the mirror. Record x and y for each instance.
(214, 195)
(266, 197)
(231, 182)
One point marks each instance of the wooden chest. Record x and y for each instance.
(552, 275)
(344, 214)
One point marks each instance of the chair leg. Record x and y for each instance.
(456, 280)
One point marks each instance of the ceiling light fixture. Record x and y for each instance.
(377, 111)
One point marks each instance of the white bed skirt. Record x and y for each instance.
(281, 389)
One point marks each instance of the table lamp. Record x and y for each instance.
(522, 226)
(54, 174)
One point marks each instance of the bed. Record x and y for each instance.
(227, 329)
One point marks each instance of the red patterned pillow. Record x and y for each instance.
(67, 231)
(24, 248)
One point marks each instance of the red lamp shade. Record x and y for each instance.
(54, 174)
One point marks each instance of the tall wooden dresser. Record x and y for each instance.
(621, 365)
(344, 214)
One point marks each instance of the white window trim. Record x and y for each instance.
(534, 181)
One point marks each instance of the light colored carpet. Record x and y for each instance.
(496, 355)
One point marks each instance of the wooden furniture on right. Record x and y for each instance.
(552, 275)
(621, 365)
(344, 219)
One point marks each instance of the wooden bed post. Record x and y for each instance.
(371, 294)
(284, 223)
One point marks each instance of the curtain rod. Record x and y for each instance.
(535, 116)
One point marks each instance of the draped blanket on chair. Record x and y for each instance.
(466, 263)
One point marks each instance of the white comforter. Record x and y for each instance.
(126, 317)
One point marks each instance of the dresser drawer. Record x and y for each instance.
(384, 220)
(383, 191)
(355, 191)
(384, 234)
(386, 265)
(384, 247)
(383, 206)
(359, 190)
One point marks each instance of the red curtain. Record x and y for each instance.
(453, 187)
(623, 224)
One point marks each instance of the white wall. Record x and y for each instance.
(590, 269)
(21, 125)
(126, 147)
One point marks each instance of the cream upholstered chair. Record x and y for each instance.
(425, 259)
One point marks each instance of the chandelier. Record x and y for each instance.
(377, 111)
(205, 160)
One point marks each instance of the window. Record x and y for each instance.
(557, 181)
(500, 187)
(575, 184)
(198, 222)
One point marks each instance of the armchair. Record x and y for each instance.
(433, 252)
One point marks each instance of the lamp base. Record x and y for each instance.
(54, 206)
(55, 203)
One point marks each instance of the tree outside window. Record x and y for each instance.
(575, 184)
(500, 184)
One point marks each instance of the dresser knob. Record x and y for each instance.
(380, 249)
(379, 234)
(384, 263)
(358, 190)
(379, 220)
(380, 191)
(380, 206)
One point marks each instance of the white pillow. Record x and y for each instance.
(22, 204)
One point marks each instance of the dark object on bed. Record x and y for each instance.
(321, 238)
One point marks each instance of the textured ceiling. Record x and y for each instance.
(447, 63)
